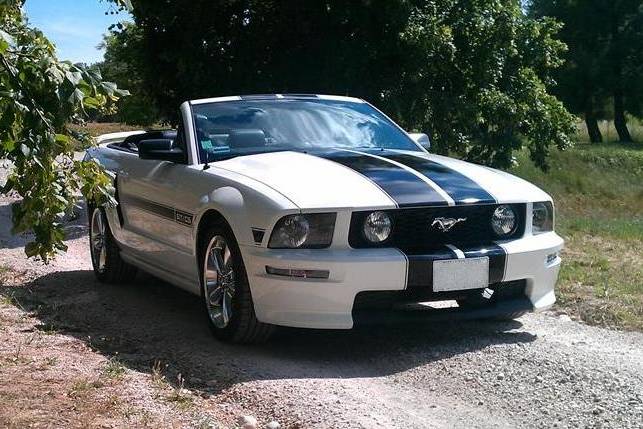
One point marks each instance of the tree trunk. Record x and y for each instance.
(620, 123)
(594, 132)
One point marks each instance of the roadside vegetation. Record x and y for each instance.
(598, 192)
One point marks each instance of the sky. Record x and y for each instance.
(76, 27)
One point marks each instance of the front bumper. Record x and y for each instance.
(328, 303)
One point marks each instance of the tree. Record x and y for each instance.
(121, 65)
(625, 55)
(476, 75)
(604, 60)
(39, 96)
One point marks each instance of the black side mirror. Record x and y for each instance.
(160, 149)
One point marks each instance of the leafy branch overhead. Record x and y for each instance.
(39, 97)
(474, 75)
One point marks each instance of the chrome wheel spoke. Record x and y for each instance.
(102, 257)
(215, 295)
(227, 258)
(97, 240)
(227, 308)
(218, 278)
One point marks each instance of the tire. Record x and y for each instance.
(225, 292)
(108, 265)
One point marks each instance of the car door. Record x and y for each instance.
(156, 204)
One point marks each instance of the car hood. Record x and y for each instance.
(380, 179)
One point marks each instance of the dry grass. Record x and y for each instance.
(598, 192)
(634, 125)
(95, 129)
(53, 381)
(602, 280)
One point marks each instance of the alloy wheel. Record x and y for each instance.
(97, 237)
(219, 281)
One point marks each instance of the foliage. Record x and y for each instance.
(122, 66)
(479, 80)
(476, 75)
(39, 96)
(605, 57)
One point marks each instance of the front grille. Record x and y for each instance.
(412, 230)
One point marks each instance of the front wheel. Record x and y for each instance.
(225, 290)
(108, 265)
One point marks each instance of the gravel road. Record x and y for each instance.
(542, 370)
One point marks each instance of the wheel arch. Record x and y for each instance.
(209, 217)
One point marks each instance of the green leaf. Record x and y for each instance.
(32, 249)
(77, 96)
(92, 102)
(61, 138)
(74, 77)
(109, 87)
(8, 145)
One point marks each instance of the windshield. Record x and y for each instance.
(228, 129)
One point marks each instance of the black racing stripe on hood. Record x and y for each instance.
(404, 187)
(462, 189)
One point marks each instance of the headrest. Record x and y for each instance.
(239, 139)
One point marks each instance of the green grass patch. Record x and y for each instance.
(598, 193)
(114, 369)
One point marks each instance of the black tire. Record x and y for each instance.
(242, 326)
(112, 268)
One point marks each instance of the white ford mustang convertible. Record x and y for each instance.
(319, 212)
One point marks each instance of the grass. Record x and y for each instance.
(608, 131)
(114, 369)
(97, 128)
(598, 193)
(81, 388)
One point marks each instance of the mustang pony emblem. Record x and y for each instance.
(445, 224)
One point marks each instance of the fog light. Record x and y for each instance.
(298, 273)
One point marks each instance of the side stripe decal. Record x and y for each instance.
(178, 216)
(403, 186)
(459, 187)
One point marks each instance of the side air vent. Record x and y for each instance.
(257, 235)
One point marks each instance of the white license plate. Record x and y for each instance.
(460, 274)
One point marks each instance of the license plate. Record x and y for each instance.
(460, 274)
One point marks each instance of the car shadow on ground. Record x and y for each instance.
(149, 321)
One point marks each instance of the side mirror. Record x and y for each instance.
(160, 149)
(421, 139)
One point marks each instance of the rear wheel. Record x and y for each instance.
(108, 265)
(225, 290)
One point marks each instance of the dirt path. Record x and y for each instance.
(76, 353)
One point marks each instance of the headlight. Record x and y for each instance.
(503, 220)
(310, 231)
(542, 217)
(377, 227)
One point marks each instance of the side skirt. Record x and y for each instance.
(185, 283)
